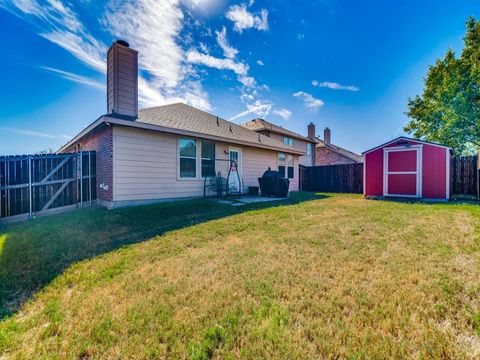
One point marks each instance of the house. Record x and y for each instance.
(409, 168)
(287, 137)
(330, 154)
(165, 152)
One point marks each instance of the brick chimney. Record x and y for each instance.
(326, 136)
(122, 79)
(311, 131)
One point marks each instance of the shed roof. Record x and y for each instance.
(409, 139)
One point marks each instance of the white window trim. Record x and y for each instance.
(187, 157)
(418, 172)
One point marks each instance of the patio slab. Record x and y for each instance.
(258, 199)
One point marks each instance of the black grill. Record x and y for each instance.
(273, 184)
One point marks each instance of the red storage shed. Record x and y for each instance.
(408, 168)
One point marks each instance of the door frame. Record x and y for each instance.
(418, 172)
(239, 164)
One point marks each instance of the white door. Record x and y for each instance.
(235, 180)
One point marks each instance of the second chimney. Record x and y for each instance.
(122, 80)
(326, 136)
(311, 131)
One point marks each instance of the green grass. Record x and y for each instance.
(330, 276)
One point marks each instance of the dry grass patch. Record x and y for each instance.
(338, 277)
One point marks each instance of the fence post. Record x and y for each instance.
(81, 179)
(90, 178)
(30, 214)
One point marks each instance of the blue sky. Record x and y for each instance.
(348, 65)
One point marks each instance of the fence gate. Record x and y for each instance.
(32, 184)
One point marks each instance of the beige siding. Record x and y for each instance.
(145, 166)
(297, 145)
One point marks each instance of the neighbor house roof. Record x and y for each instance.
(264, 125)
(186, 120)
(339, 150)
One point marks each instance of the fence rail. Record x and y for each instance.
(35, 183)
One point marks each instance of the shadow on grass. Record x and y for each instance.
(33, 253)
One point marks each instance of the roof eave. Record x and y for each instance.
(139, 125)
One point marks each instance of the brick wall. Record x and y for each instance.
(326, 156)
(101, 141)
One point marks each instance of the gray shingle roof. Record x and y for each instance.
(180, 116)
(264, 125)
(344, 152)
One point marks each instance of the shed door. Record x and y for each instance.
(403, 172)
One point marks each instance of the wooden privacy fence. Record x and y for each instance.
(36, 183)
(464, 176)
(347, 178)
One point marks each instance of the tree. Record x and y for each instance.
(448, 111)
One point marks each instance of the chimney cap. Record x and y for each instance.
(123, 43)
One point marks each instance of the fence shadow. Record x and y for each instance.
(34, 253)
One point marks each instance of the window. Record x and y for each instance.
(208, 159)
(282, 158)
(309, 149)
(290, 167)
(188, 158)
(288, 141)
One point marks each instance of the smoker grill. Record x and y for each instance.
(272, 184)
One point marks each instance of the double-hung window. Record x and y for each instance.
(208, 159)
(290, 167)
(187, 149)
(309, 149)
(282, 159)
(288, 140)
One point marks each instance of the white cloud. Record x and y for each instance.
(151, 27)
(76, 78)
(283, 113)
(195, 57)
(244, 19)
(36, 133)
(260, 108)
(260, 62)
(229, 51)
(335, 86)
(309, 101)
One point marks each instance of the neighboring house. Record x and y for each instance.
(287, 137)
(330, 154)
(166, 152)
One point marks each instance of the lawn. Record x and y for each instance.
(329, 276)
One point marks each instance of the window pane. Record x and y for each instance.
(281, 170)
(290, 160)
(208, 150)
(290, 172)
(208, 168)
(188, 147)
(281, 157)
(309, 149)
(187, 167)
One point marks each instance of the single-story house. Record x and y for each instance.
(409, 168)
(327, 153)
(165, 152)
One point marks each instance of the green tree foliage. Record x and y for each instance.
(448, 111)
